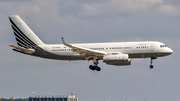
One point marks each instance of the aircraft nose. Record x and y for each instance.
(170, 51)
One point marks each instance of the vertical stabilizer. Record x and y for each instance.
(24, 35)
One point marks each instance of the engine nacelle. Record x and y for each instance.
(118, 60)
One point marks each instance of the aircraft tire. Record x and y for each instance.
(151, 66)
(91, 67)
(94, 68)
(98, 68)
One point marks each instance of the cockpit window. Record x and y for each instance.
(163, 46)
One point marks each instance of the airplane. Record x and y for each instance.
(112, 53)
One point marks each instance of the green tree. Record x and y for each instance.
(12, 99)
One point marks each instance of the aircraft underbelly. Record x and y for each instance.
(146, 55)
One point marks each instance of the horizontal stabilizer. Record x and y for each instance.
(25, 50)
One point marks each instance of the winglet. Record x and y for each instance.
(64, 42)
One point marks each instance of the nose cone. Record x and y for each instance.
(170, 51)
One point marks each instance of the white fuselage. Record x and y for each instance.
(142, 49)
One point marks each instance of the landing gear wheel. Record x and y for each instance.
(91, 67)
(151, 66)
(98, 68)
(94, 68)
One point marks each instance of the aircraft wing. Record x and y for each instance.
(88, 53)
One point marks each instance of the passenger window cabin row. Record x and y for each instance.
(62, 50)
(92, 48)
(142, 47)
(163, 46)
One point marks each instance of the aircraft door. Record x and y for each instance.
(151, 48)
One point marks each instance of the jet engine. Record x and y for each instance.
(118, 60)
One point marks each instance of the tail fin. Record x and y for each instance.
(25, 37)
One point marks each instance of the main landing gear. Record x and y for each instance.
(153, 58)
(95, 66)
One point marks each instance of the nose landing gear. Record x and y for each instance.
(153, 58)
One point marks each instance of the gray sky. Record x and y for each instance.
(92, 21)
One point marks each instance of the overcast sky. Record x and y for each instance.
(82, 21)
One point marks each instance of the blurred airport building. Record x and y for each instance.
(53, 98)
